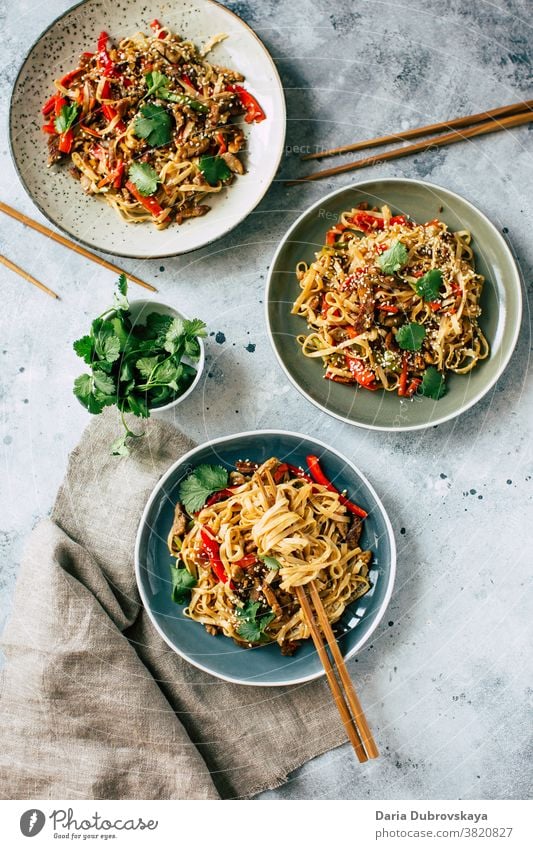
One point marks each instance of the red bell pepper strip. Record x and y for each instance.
(49, 106)
(105, 63)
(253, 109)
(365, 222)
(222, 144)
(218, 496)
(398, 219)
(64, 81)
(111, 113)
(106, 91)
(212, 549)
(246, 561)
(66, 140)
(413, 386)
(149, 203)
(318, 475)
(58, 105)
(157, 29)
(295, 471)
(389, 308)
(434, 305)
(363, 375)
(402, 386)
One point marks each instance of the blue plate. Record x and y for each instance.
(265, 665)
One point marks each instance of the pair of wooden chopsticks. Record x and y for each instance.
(466, 127)
(29, 222)
(346, 700)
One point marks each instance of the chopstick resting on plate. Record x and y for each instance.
(483, 123)
(40, 228)
(20, 271)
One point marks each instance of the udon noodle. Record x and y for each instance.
(383, 325)
(275, 530)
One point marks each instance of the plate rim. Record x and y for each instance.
(504, 360)
(61, 227)
(268, 432)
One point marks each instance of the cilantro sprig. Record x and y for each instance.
(433, 384)
(214, 169)
(252, 627)
(145, 178)
(182, 583)
(410, 336)
(154, 125)
(135, 367)
(200, 484)
(428, 286)
(270, 562)
(394, 259)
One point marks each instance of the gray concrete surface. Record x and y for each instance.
(445, 681)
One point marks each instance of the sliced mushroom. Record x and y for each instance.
(233, 162)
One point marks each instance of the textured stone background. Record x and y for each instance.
(445, 680)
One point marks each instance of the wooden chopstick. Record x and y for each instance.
(353, 701)
(429, 129)
(492, 126)
(12, 267)
(35, 225)
(351, 728)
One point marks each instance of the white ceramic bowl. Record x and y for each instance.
(139, 310)
(89, 219)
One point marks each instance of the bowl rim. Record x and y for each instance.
(391, 572)
(504, 360)
(199, 365)
(64, 229)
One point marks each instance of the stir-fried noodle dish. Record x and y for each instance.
(150, 125)
(391, 304)
(244, 540)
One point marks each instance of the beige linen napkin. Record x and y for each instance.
(93, 703)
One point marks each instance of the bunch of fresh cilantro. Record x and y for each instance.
(136, 367)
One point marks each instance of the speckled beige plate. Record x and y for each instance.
(501, 304)
(89, 219)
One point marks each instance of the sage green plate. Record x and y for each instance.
(501, 304)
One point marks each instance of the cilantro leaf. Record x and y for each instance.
(155, 80)
(182, 584)
(195, 327)
(120, 297)
(145, 178)
(393, 259)
(138, 406)
(269, 561)
(84, 348)
(200, 484)
(428, 286)
(214, 169)
(433, 384)
(250, 627)
(174, 334)
(155, 125)
(410, 336)
(66, 118)
(104, 383)
(106, 343)
(146, 365)
(83, 390)
(158, 325)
